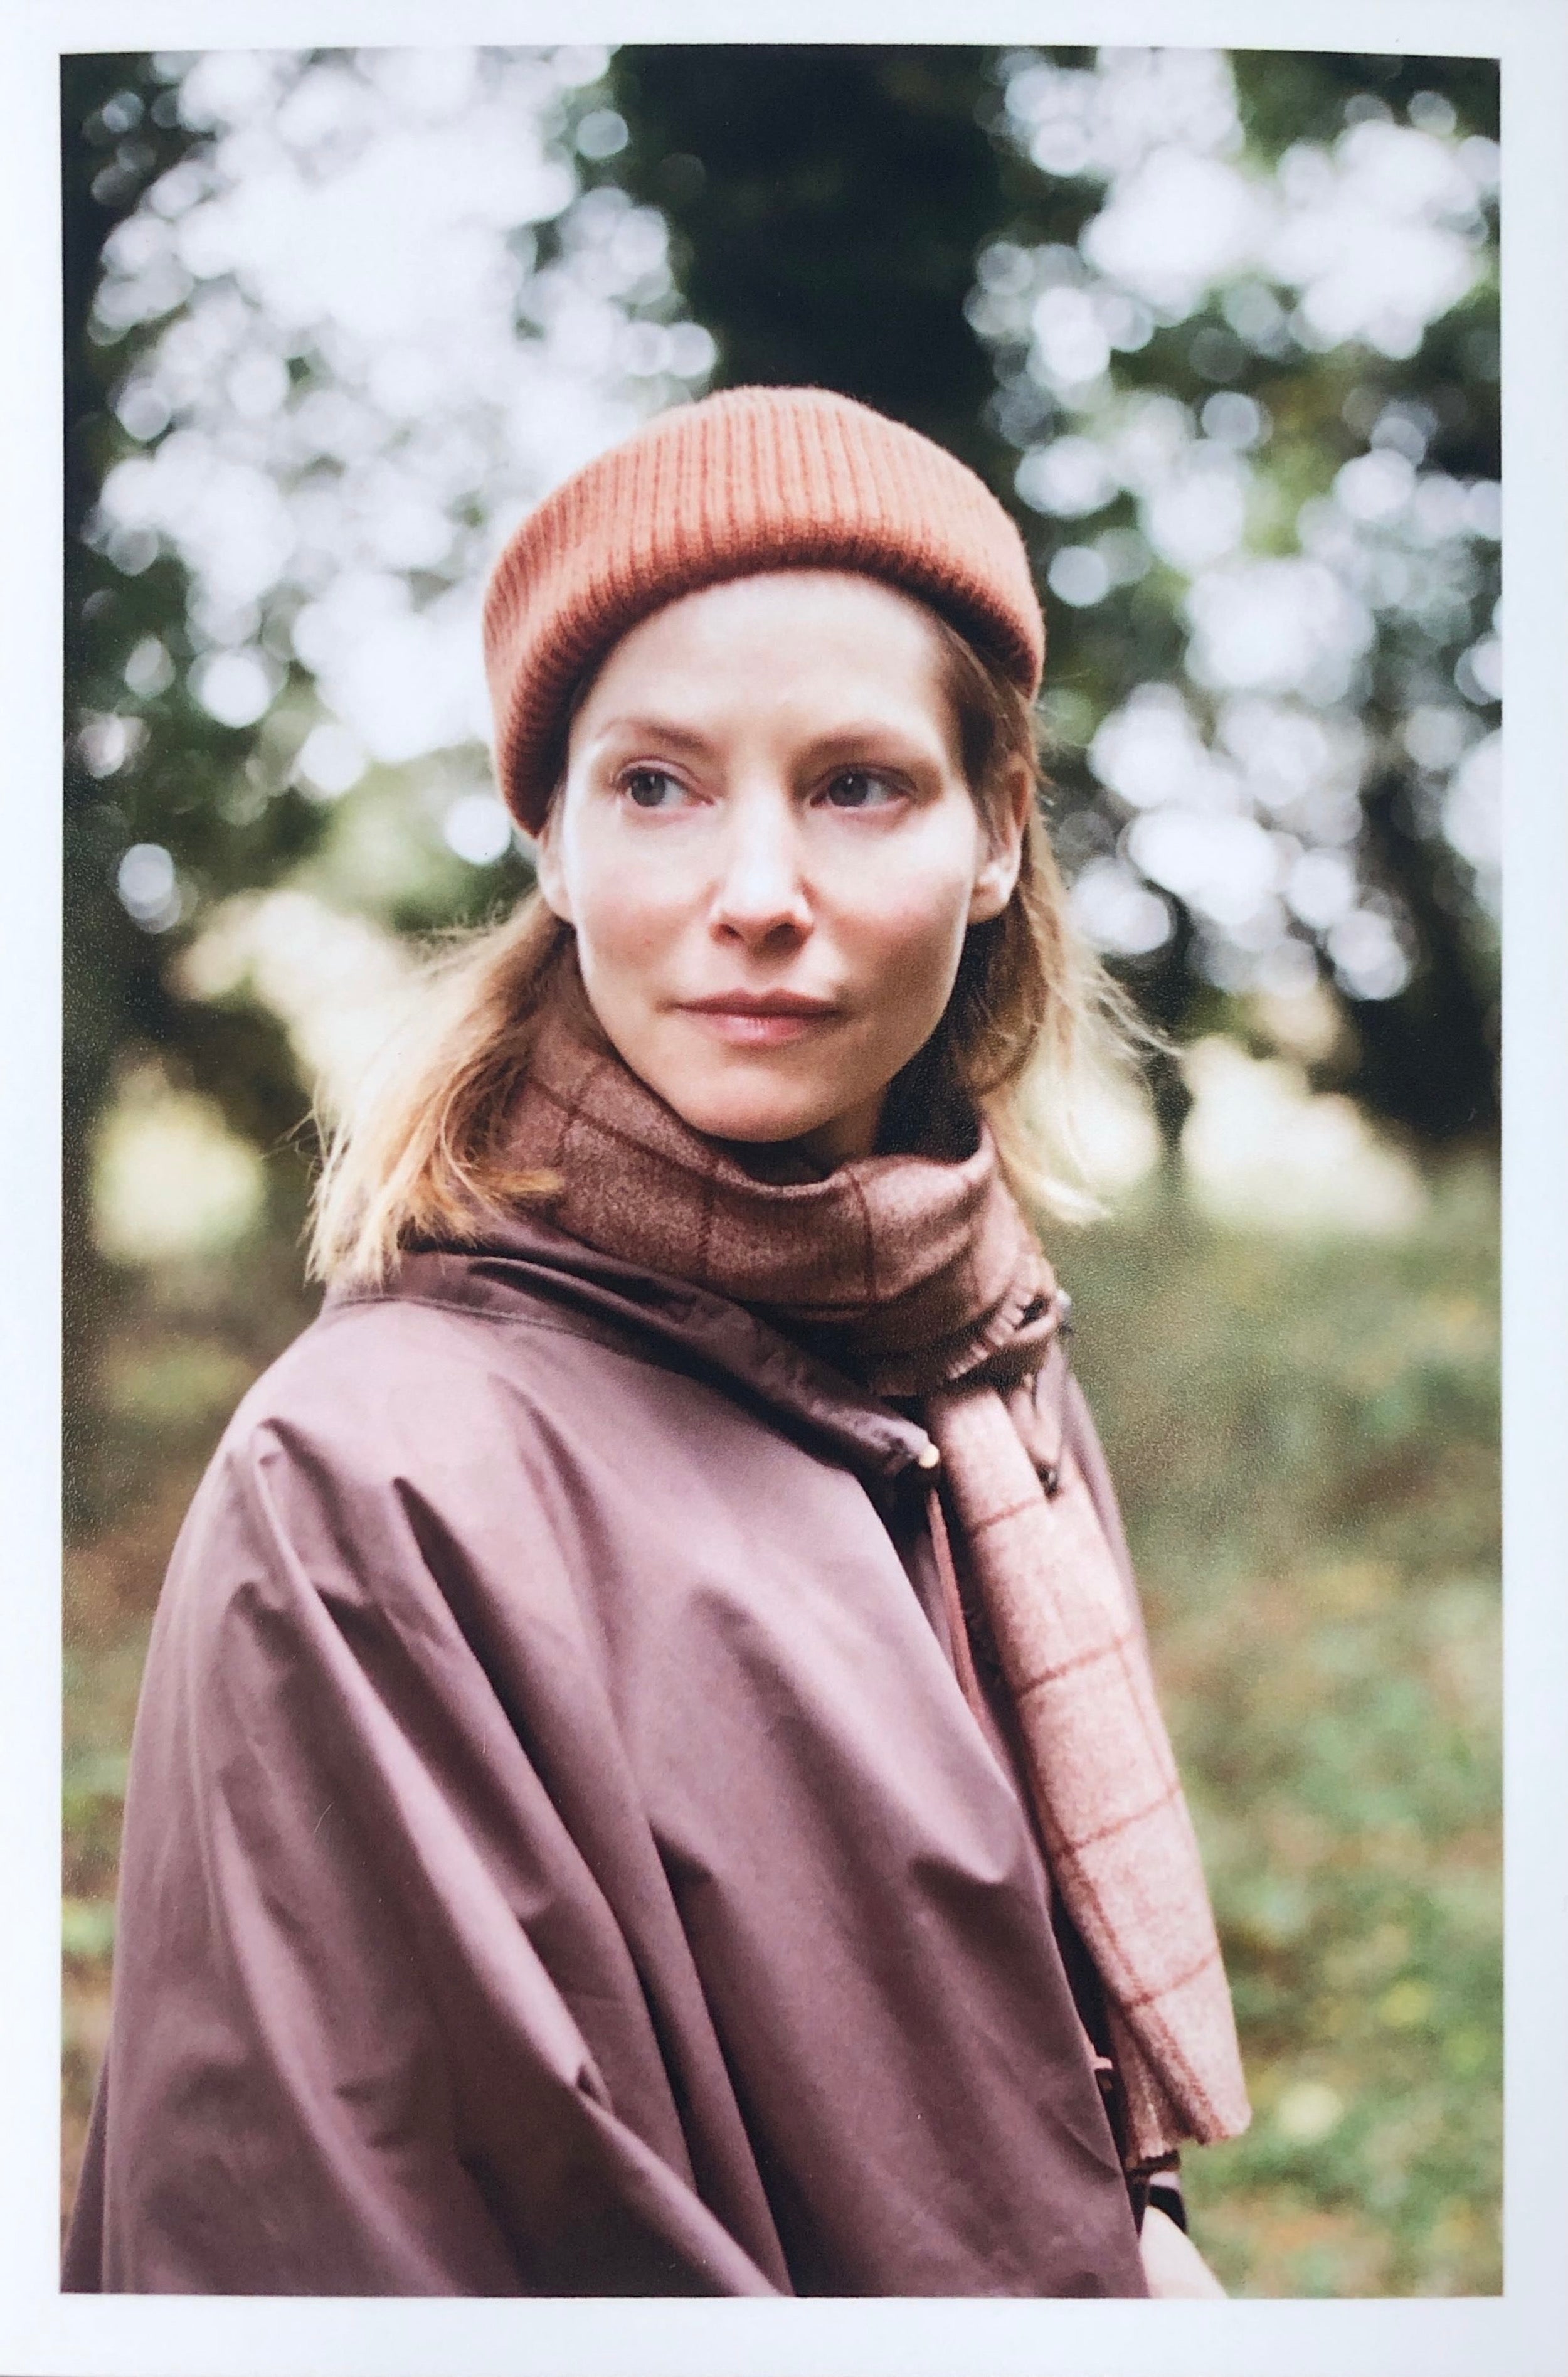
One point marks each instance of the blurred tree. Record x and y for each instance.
(829, 202)
(1428, 1058)
(243, 435)
(148, 771)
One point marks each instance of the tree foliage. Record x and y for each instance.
(898, 222)
(192, 784)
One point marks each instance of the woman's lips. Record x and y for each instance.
(766, 1022)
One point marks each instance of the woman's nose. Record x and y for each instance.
(761, 892)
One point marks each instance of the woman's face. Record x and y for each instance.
(767, 849)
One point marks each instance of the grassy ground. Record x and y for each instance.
(1306, 1442)
(1305, 1438)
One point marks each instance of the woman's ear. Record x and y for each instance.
(998, 871)
(549, 873)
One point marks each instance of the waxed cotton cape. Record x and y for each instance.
(559, 1856)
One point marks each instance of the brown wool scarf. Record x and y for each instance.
(928, 1275)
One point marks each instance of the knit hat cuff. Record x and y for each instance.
(754, 479)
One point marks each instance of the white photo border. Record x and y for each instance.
(1523, 2333)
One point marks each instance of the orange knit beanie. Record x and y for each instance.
(757, 478)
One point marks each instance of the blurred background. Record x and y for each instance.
(1222, 330)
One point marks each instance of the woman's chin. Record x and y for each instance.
(753, 1110)
(750, 1120)
(762, 1098)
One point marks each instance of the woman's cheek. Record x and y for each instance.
(625, 929)
(916, 941)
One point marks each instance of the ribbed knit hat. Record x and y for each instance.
(757, 478)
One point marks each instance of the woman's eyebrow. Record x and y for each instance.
(857, 734)
(645, 728)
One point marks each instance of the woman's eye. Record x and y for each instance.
(858, 788)
(650, 788)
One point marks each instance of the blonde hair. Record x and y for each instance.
(1033, 1018)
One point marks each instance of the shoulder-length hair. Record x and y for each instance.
(421, 1152)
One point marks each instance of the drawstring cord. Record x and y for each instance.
(953, 1604)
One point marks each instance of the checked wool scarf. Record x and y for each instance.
(929, 1284)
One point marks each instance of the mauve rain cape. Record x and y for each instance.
(559, 1857)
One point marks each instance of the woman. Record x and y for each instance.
(648, 1779)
